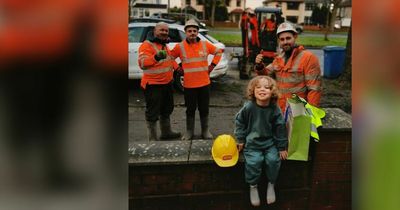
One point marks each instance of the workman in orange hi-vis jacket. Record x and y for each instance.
(193, 53)
(296, 70)
(158, 65)
(269, 24)
(244, 28)
(254, 30)
(244, 21)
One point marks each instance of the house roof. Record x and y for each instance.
(158, 6)
(237, 10)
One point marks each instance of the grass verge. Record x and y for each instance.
(312, 41)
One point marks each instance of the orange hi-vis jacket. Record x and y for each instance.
(155, 72)
(301, 75)
(244, 22)
(194, 61)
(268, 25)
(254, 31)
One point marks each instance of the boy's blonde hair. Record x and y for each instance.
(252, 84)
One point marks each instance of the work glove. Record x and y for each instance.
(162, 54)
(211, 67)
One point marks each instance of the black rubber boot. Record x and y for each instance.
(189, 128)
(165, 127)
(205, 132)
(152, 131)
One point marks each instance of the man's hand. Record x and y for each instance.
(162, 54)
(283, 154)
(211, 67)
(259, 58)
(259, 67)
(240, 147)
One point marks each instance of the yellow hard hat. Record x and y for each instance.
(224, 151)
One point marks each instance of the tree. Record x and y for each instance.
(175, 10)
(346, 75)
(216, 10)
(221, 13)
(213, 3)
(316, 16)
(332, 16)
(319, 15)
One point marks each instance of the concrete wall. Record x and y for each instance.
(182, 175)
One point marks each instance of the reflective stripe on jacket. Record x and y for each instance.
(194, 61)
(301, 75)
(155, 72)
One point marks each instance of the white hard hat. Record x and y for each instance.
(285, 26)
(191, 22)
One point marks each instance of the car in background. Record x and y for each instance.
(180, 18)
(138, 33)
(299, 28)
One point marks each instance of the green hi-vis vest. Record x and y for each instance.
(316, 115)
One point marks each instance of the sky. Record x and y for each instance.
(249, 3)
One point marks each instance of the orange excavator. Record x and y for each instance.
(258, 29)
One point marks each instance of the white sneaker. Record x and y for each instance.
(254, 198)
(270, 193)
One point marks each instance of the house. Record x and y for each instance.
(197, 8)
(293, 10)
(344, 13)
(235, 9)
(145, 8)
(300, 11)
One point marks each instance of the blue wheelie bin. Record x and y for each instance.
(333, 61)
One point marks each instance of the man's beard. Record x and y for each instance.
(162, 40)
(192, 38)
(287, 48)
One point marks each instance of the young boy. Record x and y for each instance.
(261, 132)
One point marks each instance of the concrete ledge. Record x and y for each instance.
(336, 120)
(199, 151)
(165, 152)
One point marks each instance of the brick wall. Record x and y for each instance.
(324, 182)
(331, 185)
(188, 179)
